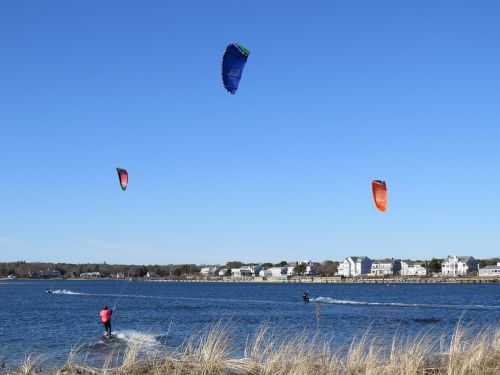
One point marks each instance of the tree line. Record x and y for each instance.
(25, 269)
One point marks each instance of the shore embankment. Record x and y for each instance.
(333, 280)
(295, 279)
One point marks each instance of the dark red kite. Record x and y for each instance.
(380, 194)
(234, 60)
(123, 177)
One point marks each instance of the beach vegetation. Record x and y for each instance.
(467, 352)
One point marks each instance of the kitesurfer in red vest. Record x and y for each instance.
(106, 319)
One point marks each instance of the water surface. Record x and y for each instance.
(165, 314)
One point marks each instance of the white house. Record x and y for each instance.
(223, 272)
(490, 270)
(244, 271)
(90, 274)
(274, 272)
(413, 268)
(458, 265)
(309, 271)
(256, 270)
(355, 266)
(386, 267)
(208, 271)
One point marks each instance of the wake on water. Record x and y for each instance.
(327, 300)
(144, 340)
(398, 304)
(64, 291)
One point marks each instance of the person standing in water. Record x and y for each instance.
(305, 297)
(106, 319)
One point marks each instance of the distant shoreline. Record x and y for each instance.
(293, 280)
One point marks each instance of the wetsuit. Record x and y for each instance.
(106, 320)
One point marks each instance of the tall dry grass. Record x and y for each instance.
(468, 353)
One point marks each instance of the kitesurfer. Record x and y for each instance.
(305, 297)
(106, 319)
(49, 291)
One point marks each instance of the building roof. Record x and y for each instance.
(413, 262)
(490, 268)
(386, 260)
(357, 257)
(461, 258)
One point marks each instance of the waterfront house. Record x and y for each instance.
(208, 271)
(223, 272)
(90, 275)
(355, 266)
(256, 270)
(386, 267)
(459, 265)
(490, 270)
(309, 270)
(48, 274)
(413, 268)
(274, 272)
(244, 271)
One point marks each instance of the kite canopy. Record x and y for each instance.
(379, 190)
(233, 62)
(123, 178)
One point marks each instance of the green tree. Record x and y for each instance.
(234, 264)
(299, 269)
(435, 265)
(283, 263)
(328, 268)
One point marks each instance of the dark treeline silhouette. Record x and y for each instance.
(36, 269)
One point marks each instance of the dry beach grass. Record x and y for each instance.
(469, 352)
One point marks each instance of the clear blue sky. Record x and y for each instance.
(334, 94)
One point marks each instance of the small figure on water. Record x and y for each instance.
(305, 297)
(106, 319)
(49, 291)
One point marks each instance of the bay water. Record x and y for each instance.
(165, 314)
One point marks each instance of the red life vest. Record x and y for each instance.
(105, 315)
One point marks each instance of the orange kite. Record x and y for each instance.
(380, 194)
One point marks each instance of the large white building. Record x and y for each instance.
(490, 270)
(208, 271)
(279, 272)
(458, 265)
(413, 268)
(386, 267)
(246, 271)
(242, 272)
(355, 266)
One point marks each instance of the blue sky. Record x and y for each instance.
(334, 94)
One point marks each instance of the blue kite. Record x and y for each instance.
(233, 62)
